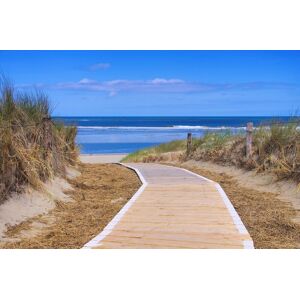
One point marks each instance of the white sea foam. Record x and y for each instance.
(207, 127)
(175, 127)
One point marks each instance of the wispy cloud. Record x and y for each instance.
(84, 81)
(164, 85)
(99, 66)
(160, 85)
(165, 81)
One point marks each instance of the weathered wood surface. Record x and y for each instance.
(177, 209)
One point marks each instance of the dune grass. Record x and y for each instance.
(32, 147)
(141, 155)
(276, 149)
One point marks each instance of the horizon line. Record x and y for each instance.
(203, 116)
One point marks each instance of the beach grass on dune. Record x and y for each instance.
(276, 149)
(140, 155)
(32, 147)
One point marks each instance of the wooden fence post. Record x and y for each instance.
(249, 139)
(189, 144)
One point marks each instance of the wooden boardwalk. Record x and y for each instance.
(174, 208)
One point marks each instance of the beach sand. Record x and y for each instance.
(96, 195)
(102, 158)
(20, 207)
(31, 203)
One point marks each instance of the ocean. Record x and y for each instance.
(128, 134)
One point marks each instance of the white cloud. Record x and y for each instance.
(163, 80)
(164, 85)
(114, 86)
(86, 81)
(100, 66)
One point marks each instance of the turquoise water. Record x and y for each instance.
(128, 134)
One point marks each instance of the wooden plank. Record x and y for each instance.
(214, 237)
(161, 244)
(179, 227)
(176, 210)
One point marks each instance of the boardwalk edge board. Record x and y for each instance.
(109, 227)
(248, 244)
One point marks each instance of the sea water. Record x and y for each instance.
(128, 134)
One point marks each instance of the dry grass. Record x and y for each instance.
(99, 193)
(276, 149)
(155, 153)
(32, 148)
(268, 220)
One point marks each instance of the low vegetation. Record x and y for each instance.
(154, 153)
(276, 149)
(32, 147)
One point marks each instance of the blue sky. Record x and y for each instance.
(160, 83)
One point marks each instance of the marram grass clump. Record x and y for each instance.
(278, 149)
(32, 147)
